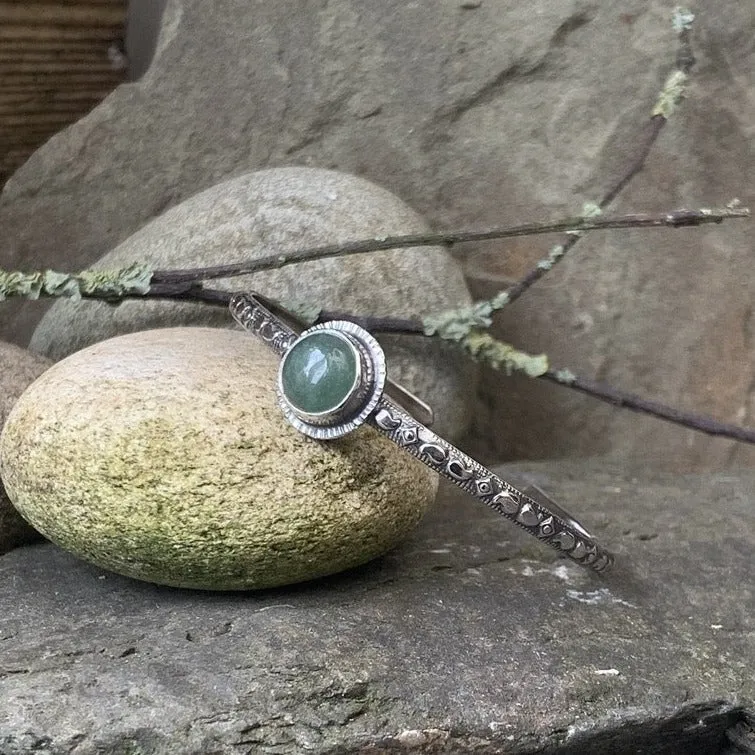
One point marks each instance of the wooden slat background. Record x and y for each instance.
(58, 59)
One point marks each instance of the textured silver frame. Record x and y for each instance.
(535, 513)
(363, 399)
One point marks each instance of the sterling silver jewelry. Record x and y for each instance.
(332, 379)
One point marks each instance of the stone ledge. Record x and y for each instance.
(468, 638)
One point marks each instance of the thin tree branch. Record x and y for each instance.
(138, 280)
(673, 219)
(635, 403)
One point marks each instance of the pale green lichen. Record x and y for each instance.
(482, 347)
(134, 279)
(19, 284)
(455, 324)
(676, 84)
(554, 255)
(589, 210)
(105, 284)
(671, 94)
(682, 19)
(567, 377)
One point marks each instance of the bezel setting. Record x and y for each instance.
(364, 396)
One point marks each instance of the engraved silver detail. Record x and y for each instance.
(484, 486)
(385, 420)
(409, 435)
(506, 503)
(591, 555)
(536, 514)
(563, 540)
(579, 550)
(528, 515)
(458, 471)
(434, 452)
(262, 323)
(546, 527)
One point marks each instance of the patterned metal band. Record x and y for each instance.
(536, 514)
(252, 312)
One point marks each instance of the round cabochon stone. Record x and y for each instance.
(319, 373)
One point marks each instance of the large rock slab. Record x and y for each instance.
(163, 455)
(18, 369)
(468, 638)
(475, 114)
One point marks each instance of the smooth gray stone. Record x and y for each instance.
(468, 638)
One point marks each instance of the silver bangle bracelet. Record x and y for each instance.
(332, 379)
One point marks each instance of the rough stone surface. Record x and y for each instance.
(467, 638)
(475, 114)
(18, 368)
(258, 214)
(163, 455)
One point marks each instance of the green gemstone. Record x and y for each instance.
(319, 373)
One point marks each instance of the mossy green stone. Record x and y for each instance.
(319, 373)
(164, 455)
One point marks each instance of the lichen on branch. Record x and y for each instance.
(455, 324)
(671, 94)
(484, 348)
(682, 19)
(101, 284)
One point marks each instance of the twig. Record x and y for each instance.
(673, 219)
(138, 280)
(636, 403)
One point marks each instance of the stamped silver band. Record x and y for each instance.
(534, 512)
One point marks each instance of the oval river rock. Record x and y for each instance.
(163, 455)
